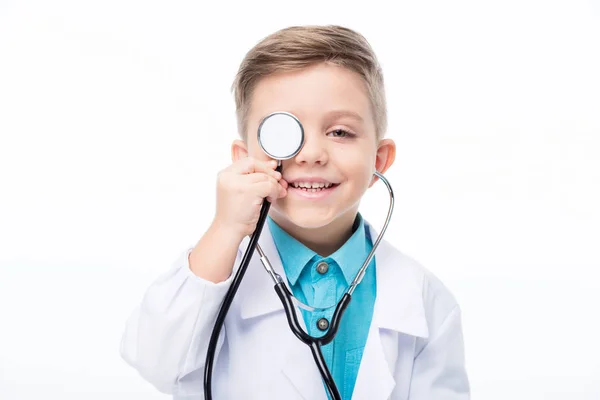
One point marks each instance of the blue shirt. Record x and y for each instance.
(318, 289)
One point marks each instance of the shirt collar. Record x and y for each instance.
(295, 256)
(402, 287)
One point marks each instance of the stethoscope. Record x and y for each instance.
(281, 136)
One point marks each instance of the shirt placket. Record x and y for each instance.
(324, 284)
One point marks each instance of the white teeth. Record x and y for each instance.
(313, 185)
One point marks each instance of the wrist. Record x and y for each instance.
(213, 256)
(225, 233)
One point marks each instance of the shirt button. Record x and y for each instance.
(323, 324)
(322, 267)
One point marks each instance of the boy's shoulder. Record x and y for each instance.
(432, 287)
(408, 281)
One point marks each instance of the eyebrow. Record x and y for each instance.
(345, 113)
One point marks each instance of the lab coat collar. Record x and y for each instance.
(398, 306)
(398, 309)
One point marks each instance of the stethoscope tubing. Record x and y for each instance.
(315, 343)
(362, 270)
(288, 301)
(237, 280)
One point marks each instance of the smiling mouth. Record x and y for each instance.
(313, 187)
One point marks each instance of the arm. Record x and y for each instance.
(439, 369)
(166, 337)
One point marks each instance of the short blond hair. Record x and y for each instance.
(299, 47)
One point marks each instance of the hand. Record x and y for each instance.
(241, 189)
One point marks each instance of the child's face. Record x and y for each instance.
(328, 100)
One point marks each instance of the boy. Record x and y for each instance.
(400, 337)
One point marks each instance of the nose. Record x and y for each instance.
(313, 151)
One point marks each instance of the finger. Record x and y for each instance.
(251, 165)
(277, 193)
(268, 188)
(282, 191)
(268, 167)
(243, 166)
(258, 177)
(263, 176)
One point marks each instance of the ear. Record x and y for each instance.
(239, 150)
(386, 154)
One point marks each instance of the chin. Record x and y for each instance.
(307, 222)
(306, 218)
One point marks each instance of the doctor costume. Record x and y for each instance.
(414, 348)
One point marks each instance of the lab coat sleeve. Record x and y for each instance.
(166, 337)
(439, 369)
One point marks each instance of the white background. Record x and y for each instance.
(115, 117)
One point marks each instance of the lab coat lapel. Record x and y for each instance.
(256, 293)
(258, 298)
(399, 303)
(302, 373)
(398, 310)
(374, 380)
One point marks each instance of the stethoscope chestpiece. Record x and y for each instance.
(281, 135)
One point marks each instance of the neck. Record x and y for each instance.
(324, 240)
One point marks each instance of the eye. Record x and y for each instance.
(340, 133)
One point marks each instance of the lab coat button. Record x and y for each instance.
(322, 267)
(323, 324)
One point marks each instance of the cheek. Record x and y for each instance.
(357, 163)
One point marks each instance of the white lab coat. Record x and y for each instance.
(414, 348)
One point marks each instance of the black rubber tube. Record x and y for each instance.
(212, 344)
(315, 343)
(286, 299)
(288, 304)
(325, 374)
